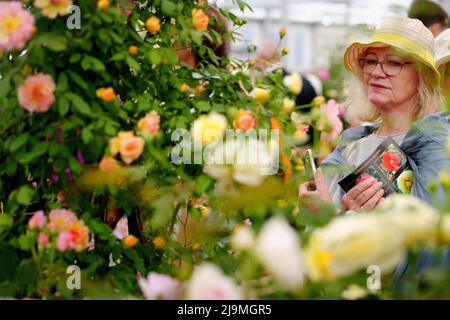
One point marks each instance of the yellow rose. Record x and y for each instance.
(317, 101)
(282, 32)
(200, 19)
(293, 82)
(288, 105)
(260, 94)
(352, 243)
(209, 128)
(414, 218)
(444, 229)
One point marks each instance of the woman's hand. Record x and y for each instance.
(319, 186)
(365, 195)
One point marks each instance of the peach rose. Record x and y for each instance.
(37, 93)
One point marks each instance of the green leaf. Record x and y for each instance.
(203, 106)
(38, 150)
(155, 56)
(133, 64)
(74, 165)
(63, 83)
(97, 65)
(78, 80)
(74, 58)
(86, 135)
(55, 43)
(118, 56)
(63, 106)
(24, 242)
(79, 104)
(25, 195)
(168, 8)
(196, 36)
(19, 142)
(6, 222)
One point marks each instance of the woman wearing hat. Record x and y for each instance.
(395, 88)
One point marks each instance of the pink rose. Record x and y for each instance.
(37, 221)
(37, 93)
(63, 242)
(159, 286)
(335, 126)
(43, 239)
(16, 25)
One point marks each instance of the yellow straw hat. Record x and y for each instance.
(408, 35)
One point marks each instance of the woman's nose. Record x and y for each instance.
(378, 71)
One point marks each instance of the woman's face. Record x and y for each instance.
(389, 91)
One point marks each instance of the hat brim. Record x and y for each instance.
(442, 60)
(354, 51)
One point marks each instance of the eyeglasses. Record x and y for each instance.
(391, 66)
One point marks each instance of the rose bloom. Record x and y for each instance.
(278, 247)
(63, 242)
(149, 125)
(260, 94)
(37, 221)
(209, 128)
(153, 24)
(208, 282)
(131, 148)
(244, 120)
(391, 161)
(37, 93)
(114, 143)
(52, 8)
(200, 19)
(16, 25)
(293, 82)
(43, 239)
(108, 164)
(159, 286)
(79, 235)
(60, 220)
(106, 94)
(331, 113)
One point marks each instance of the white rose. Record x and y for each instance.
(242, 239)
(247, 162)
(208, 282)
(278, 247)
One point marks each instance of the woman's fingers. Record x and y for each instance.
(354, 192)
(373, 201)
(368, 193)
(305, 188)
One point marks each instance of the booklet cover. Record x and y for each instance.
(388, 164)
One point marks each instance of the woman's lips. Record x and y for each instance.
(379, 86)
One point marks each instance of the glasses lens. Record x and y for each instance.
(393, 66)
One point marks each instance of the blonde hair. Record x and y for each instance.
(429, 98)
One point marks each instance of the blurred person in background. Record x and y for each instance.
(395, 88)
(268, 59)
(442, 59)
(432, 15)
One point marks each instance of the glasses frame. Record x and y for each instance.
(362, 61)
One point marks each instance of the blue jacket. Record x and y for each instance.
(424, 144)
